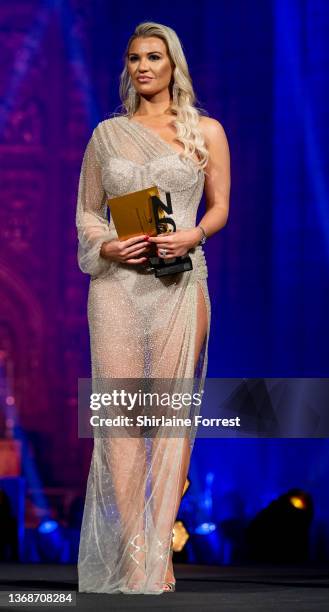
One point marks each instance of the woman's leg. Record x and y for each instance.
(201, 332)
(120, 457)
(172, 455)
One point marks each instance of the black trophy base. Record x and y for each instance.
(175, 265)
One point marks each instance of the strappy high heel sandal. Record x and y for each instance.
(167, 587)
(136, 586)
(170, 587)
(159, 587)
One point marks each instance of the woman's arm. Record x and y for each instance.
(217, 192)
(218, 178)
(91, 221)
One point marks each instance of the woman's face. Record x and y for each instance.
(147, 57)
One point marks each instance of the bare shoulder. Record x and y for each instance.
(212, 131)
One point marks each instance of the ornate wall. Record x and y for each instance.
(43, 327)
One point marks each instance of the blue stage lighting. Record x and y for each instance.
(205, 528)
(51, 544)
(205, 544)
(48, 526)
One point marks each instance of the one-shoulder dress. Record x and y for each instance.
(140, 326)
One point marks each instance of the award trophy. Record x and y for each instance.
(143, 212)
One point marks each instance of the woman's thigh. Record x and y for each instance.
(116, 332)
(186, 332)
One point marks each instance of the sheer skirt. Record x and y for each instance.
(135, 481)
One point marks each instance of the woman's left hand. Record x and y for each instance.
(178, 243)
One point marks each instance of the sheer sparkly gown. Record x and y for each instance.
(140, 326)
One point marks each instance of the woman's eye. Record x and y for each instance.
(152, 56)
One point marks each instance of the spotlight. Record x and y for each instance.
(205, 528)
(205, 543)
(186, 486)
(279, 533)
(48, 526)
(298, 501)
(180, 536)
(51, 544)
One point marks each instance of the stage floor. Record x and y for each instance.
(203, 588)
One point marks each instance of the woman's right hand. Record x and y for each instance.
(126, 251)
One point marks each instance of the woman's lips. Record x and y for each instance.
(144, 79)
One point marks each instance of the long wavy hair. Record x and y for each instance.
(182, 97)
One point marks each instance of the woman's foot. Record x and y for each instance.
(170, 582)
(170, 571)
(136, 566)
(168, 585)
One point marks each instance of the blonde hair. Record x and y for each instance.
(180, 88)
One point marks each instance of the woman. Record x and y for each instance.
(140, 325)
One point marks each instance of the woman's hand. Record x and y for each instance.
(126, 251)
(178, 243)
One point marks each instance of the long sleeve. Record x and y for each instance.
(91, 221)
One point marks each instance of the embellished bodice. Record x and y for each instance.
(133, 157)
(123, 156)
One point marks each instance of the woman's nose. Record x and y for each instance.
(143, 65)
